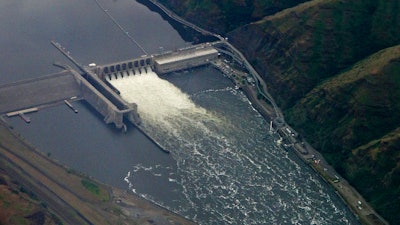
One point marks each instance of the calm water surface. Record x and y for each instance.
(224, 168)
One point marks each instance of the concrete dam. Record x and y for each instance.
(93, 86)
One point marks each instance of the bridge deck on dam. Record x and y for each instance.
(37, 92)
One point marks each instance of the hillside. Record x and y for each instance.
(298, 48)
(333, 66)
(221, 16)
(354, 119)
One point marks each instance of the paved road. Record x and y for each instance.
(360, 207)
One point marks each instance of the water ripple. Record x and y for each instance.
(229, 169)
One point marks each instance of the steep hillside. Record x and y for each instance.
(353, 118)
(222, 16)
(374, 169)
(298, 48)
(353, 107)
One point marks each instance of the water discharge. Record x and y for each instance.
(229, 169)
(166, 111)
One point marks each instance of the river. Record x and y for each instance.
(224, 166)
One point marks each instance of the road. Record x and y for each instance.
(261, 85)
(357, 204)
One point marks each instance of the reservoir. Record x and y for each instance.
(224, 166)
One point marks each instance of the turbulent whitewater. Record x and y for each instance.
(228, 168)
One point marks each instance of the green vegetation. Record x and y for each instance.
(90, 186)
(95, 189)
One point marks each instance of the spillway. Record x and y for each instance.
(229, 169)
(158, 99)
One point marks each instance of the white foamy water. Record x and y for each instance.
(157, 98)
(166, 111)
(229, 169)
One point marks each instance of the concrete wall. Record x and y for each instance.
(55, 88)
(111, 113)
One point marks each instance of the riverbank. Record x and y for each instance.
(72, 197)
(350, 196)
(264, 104)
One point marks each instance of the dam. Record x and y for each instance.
(93, 86)
(163, 63)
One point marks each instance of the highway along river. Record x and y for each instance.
(224, 166)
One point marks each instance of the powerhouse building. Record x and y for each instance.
(183, 60)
